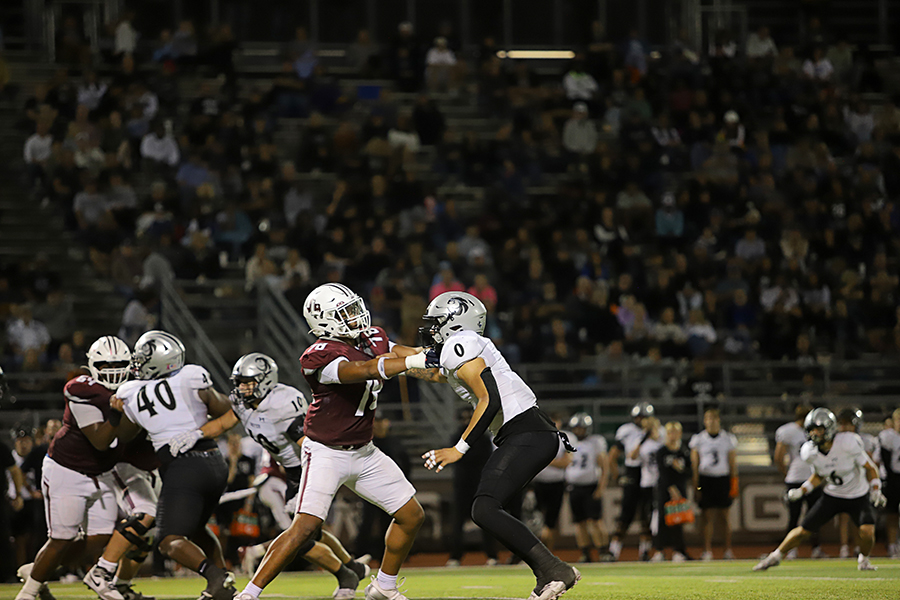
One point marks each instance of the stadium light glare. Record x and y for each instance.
(536, 54)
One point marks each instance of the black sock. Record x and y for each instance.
(209, 571)
(358, 568)
(347, 578)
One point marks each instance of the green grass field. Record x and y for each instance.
(804, 579)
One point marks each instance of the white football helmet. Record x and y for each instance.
(109, 361)
(256, 367)
(333, 310)
(452, 312)
(157, 353)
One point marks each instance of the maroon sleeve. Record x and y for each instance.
(85, 390)
(321, 354)
(377, 340)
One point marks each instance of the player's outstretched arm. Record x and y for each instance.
(219, 425)
(215, 401)
(431, 375)
(476, 376)
(379, 368)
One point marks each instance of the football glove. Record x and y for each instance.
(432, 358)
(794, 494)
(183, 442)
(877, 498)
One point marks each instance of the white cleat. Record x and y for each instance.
(791, 555)
(729, 554)
(863, 564)
(658, 557)
(101, 582)
(244, 596)
(769, 561)
(344, 594)
(845, 551)
(817, 552)
(374, 591)
(615, 549)
(678, 557)
(556, 588)
(706, 556)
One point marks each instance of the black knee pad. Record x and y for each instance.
(306, 546)
(483, 509)
(134, 531)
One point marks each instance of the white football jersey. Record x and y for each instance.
(629, 436)
(167, 406)
(842, 468)
(268, 423)
(649, 468)
(873, 448)
(713, 452)
(889, 439)
(584, 470)
(515, 395)
(555, 474)
(793, 436)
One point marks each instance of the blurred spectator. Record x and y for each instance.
(440, 65)
(580, 133)
(578, 84)
(364, 55)
(126, 37)
(139, 316)
(760, 45)
(159, 146)
(58, 316)
(25, 334)
(37, 153)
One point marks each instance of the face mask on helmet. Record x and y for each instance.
(138, 359)
(246, 389)
(354, 316)
(111, 374)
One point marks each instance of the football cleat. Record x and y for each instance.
(129, 593)
(222, 589)
(729, 554)
(245, 596)
(658, 556)
(706, 556)
(451, 563)
(615, 548)
(101, 582)
(771, 560)
(374, 591)
(817, 552)
(559, 583)
(863, 564)
(678, 557)
(845, 551)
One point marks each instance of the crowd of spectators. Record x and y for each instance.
(732, 201)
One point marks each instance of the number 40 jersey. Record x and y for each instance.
(280, 412)
(167, 406)
(843, 467)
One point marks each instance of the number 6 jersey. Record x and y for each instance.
(842, 468)
(167, 406)
(269, 423)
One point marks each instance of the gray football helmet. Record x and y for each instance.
(156, 354)
(452, 312)
(642, 410)
(820, 417)
(256, 367)
(582, 420)
(853, 416)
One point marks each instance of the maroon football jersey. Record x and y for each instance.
(342, 414)
(70, 447)
(139, 453)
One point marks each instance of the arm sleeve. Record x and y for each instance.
(328, 375)
(493, 407)
(85, 414)
(295, 429)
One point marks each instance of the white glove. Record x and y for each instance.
(795, 494)
(876, 497)
(183, 442)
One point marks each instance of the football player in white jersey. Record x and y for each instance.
(587, 476)
(634, 499)
(549, 489)
(526, 439)
(714, 470)
(788, 440)
(645, 451)
(272, 414)
(850, 419)
(171, 398)
(852, 486)
(889, 441)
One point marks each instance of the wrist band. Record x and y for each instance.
(462, 446)
(416, 361)
(381, 368)
(875, 484)
(806, 487)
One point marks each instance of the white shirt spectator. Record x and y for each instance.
(702, 330)
(769, 297)
(758, 47)
(409, 140)
(580, 86)
(440, 56)
(820, 70)
(91, 207)
(580, 136)
(126, 38)
(164, 149)
(27, 336)
(136, 320)
(37, 148)
(861, 125)
(90, 94)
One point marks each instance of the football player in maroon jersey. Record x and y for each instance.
(345, 369)
(76, 481)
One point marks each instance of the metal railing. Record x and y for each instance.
(282, 333)
(177, 319)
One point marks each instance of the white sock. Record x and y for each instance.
(776, 553)
(107, 565)
(253, 590)
(32, 586)
(387, 582)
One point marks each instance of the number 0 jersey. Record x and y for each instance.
(269, 422)
(842, 468)
(713, 451)
(167, 406)
(515, 395)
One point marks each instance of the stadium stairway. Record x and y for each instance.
(30, 232)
